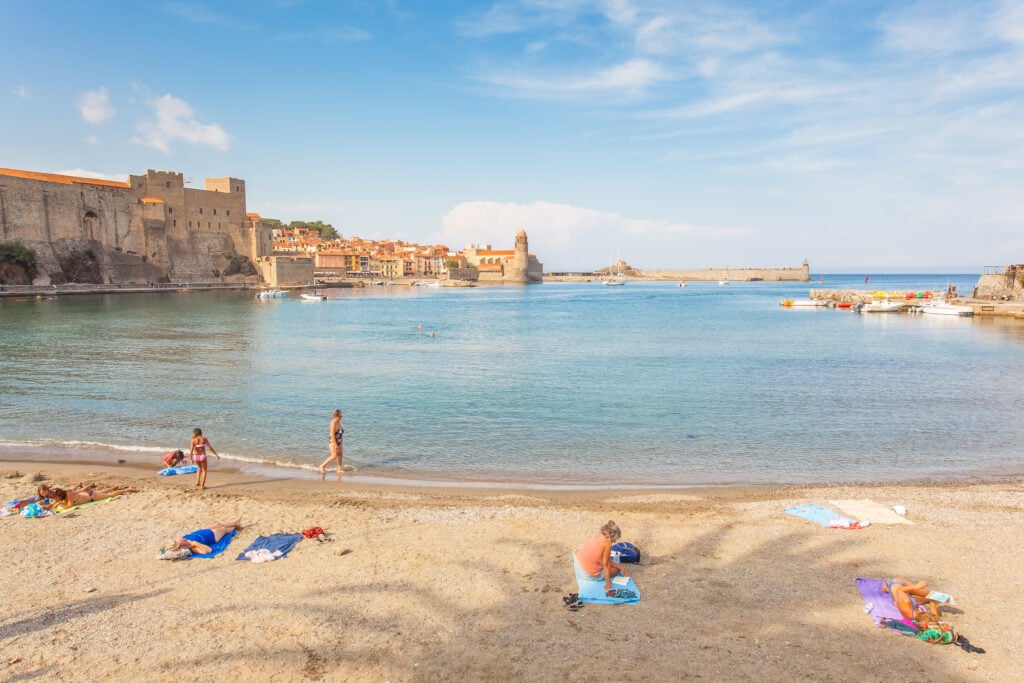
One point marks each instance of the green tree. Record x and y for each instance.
(326, 230)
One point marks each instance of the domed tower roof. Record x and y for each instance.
(521, 233)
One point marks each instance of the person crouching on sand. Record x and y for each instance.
(594, 558)
(908, 597)
(174, 458)
(197, 451)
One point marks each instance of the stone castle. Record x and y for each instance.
(151, 228)
(512, 266)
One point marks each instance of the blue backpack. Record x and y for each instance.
(627, 552)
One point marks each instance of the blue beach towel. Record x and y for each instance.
(184, 469)
(273, 543)
(215, 548)
(591, 589)
(818, 514)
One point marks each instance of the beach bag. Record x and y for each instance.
(627, 552)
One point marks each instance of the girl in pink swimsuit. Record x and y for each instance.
(197, 452)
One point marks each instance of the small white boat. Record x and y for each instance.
(883, 306)
(315, 296)
(682, 284)
(944, 308)
(804, 303)
(723, 283)
(270, 294)
(613, 281)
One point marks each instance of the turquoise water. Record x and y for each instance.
(569, 383)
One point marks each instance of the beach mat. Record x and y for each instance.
(184, 469)
(218, 547)
(282, 543)
(819, 515)
(86, 505)
(870, 510)
(593, 592)
(878, 604)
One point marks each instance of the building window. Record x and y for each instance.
(200, 209)
(238, 188)
(208, 226)
(215, 212)
(170, 209)
(167, 183)
(190, 224)
(175, 223)
(229, 212)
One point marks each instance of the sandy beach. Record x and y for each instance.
(466, 584)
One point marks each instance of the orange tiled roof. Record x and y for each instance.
(151, 200)
(496, 252)
(63, 179)
(252, 215)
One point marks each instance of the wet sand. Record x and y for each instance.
(463, 583)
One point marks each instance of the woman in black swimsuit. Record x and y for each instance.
(337, 450)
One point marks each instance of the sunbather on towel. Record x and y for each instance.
(595, 557)
(908, 597)
(70, 497)
(200, 541)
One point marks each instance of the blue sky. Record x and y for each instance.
(860, 135)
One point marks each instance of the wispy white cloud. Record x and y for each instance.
(337, 34)
(195, 13)
(95, 107)
(630, 78)
(83, 173)
(175, 120)
(21, 92)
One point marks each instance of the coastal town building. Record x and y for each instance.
(516, 265)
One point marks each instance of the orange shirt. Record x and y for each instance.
(591, 554)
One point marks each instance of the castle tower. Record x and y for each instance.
(518, 271)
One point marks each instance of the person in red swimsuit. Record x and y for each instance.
(197, 451)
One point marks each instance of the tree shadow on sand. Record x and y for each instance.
(784, 609)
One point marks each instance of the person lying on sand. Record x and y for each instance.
(908, 597)
(200, 541)
(594, 556)
(70, 497)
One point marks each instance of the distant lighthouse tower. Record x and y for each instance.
(518, 270)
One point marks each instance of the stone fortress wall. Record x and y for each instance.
(149, 229)
(801, 274)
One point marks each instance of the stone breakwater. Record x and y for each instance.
(981, 307)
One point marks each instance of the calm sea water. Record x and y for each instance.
(558, 383)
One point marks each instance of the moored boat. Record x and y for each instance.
(804, 303)
(943, 308)
(883, 306)
(315, 296)
(270, 293)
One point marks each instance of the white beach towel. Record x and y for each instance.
(870, 510)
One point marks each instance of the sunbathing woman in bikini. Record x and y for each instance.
(200, 541)
(70, 497)
(907, 596)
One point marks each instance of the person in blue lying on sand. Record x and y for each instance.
(199, 542)
(594, 558)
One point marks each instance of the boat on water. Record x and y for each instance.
(805, 303)
(682, 284)
(723, 283)
(616, 277)
(883, 306)
(315, 296)
(943, 308)
(270, 293)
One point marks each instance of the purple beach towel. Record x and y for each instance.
(878, 603)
